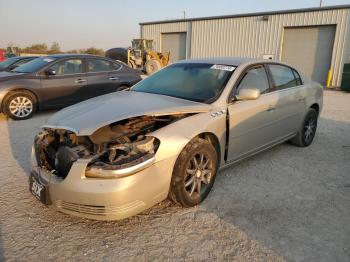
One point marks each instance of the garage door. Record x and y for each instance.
(310, 50)
(175, 43)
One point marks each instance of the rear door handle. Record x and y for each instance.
(301, 98)
(80, 81)
(113, 78)
(270, 109)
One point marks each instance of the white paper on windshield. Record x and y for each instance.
(223, 67)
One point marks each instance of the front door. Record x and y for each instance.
(67, 86)
(252, 122)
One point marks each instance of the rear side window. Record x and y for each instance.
(255, 78)
(99, 65)
(283, 77)
(116, 65)
(297, 77)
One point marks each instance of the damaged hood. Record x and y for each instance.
(86, 117)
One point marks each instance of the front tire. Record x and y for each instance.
(194, 173)
(307, 131)
(152, 66)
(20, 105)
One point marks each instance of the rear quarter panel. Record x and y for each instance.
(314, 92)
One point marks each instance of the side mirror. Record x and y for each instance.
(248, 94)
(50, 72)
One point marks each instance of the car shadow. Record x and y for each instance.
(293, 200)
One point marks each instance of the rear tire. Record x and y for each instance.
(152, 66)
(20, 105)
(307, 131)
(194, 173)
(132, 64)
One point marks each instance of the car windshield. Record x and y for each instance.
(34, 65)
(8, 62)
(198, 82)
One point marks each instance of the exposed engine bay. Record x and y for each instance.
(116, 146)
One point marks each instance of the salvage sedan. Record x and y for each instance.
(114, 156)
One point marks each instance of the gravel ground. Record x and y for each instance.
(288, 203)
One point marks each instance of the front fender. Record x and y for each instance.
(174, 137)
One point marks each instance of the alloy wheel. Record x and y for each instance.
(199, 173)
(21, 106)
(309, 129)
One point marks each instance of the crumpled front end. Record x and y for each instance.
(111, 174)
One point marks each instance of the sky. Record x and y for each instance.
(77, 24)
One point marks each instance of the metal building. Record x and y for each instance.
(314, 40)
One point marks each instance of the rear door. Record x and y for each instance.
(67, 86)
(252, 123)
(102, 76)
(291, 99)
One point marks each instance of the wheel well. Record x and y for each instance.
(19, 90)
(214, 141)
(316, 107)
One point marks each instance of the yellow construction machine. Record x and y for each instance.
(140, 55)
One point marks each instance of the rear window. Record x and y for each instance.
(297, 77)
(283, 77)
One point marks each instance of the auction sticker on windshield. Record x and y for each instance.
(223, 67)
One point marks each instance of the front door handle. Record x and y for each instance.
(301, 98)
(113, 78)
(270, 109)
(80, 81)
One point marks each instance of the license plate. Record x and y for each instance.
(37, 189)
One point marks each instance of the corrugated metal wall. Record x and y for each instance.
(346, 57)
(254, 37)
(154, 32)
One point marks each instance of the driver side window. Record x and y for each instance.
(255, 78)
(68, 67)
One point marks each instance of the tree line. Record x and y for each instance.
(55, 49)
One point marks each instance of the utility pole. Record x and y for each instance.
(321, 3)
(184, 14)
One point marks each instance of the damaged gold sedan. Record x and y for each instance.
(116, 155)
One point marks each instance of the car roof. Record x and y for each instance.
(73, 55)
(232, 61)
(25, 57)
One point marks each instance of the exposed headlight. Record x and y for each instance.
(99, 172)
(124, 159)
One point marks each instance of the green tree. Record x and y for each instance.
(36, 49)
(73, 51)
(93, 51)
(54, 49)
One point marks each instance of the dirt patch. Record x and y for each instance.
(288, 203)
